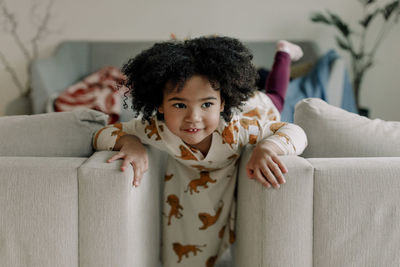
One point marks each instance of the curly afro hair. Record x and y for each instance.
(224, 61)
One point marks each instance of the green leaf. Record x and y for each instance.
(368, 18)
(320, 18)
(367, 2)
(340, 24)
(368, 65)
(389, 8)
(342, 43)
(359, 56)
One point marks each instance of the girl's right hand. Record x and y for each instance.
(133, 152)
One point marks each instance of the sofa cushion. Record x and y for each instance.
(60, 134)
(355, 211)
(334, 132)
(39, 211)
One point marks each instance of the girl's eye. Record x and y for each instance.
(207, 105)
(179, 105)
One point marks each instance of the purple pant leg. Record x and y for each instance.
(278, 80)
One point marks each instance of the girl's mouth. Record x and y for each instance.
(192, 130)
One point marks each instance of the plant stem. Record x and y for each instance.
(379, 39)
(363, 34)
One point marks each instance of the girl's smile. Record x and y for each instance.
(193, 114)
(192, 130)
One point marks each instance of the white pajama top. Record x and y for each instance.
(199, 204)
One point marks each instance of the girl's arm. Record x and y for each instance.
(132, 151)
(128, 138)
(264, 165)
(289, 137)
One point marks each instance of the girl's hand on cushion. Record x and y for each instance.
(133, 152)
(265, 166)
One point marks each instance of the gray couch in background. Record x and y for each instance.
(74, 60)
(61, 205)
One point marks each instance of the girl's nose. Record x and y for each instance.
(193, 115)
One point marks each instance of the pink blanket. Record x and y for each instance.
(97, 91)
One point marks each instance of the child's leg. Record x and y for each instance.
(278, 79)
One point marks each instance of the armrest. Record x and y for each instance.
(275, 226)
(119, 225)
(54, 74)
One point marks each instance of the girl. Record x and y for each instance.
(198, 102)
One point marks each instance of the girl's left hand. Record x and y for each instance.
(265, 166)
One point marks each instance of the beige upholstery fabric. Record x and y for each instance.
(39, 212)
(61, 134)
(355, 218)
(127, 219)
(356, 212)
(274, 227)
(334, 132)
(346, 213)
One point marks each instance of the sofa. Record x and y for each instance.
(73, 61)
(75, 66)
(60, 205)
(63, 205)
(340, 206)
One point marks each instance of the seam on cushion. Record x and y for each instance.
(78, 209)
(262, 223)
(79, 218)
(77, 186)
(93, 116)
(313, 212)
(89, 124)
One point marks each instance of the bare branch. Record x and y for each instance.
(4, 23)
(10, 18)
(42, 30)
(12, 72)
(30, 50)
(34, 13)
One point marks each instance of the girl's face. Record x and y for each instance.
(193, 114)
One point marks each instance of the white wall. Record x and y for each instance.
(247, 20)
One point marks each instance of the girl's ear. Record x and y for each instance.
(222, 105)
(160, 109)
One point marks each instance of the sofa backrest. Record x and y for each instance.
(60, 134)
(334, 132)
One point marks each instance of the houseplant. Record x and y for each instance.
(356, 40)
